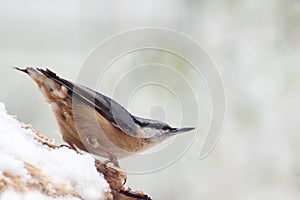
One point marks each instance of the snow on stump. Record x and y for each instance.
(33, 167)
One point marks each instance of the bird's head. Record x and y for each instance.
(156, 130)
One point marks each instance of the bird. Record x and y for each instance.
(95, 123)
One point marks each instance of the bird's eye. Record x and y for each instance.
(165, 128)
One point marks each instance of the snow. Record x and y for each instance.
(61, 166)
(11, 165)
(33, 195)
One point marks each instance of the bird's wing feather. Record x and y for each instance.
(108, 108)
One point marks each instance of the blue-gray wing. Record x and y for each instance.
(107, 107)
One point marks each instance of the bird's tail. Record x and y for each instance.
(48, 82)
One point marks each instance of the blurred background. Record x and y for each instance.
(255, 46)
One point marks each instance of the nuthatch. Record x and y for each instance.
(96, 123)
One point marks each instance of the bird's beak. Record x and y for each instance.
(181, 130)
